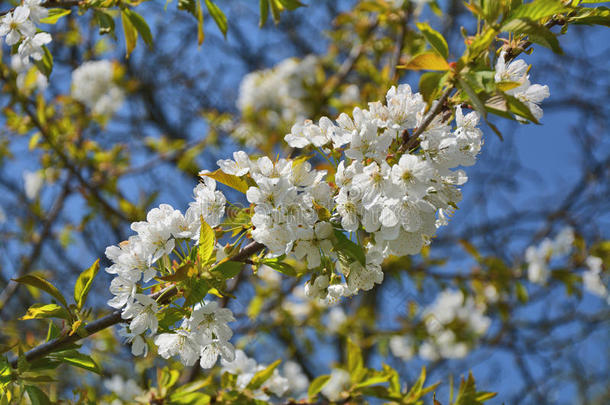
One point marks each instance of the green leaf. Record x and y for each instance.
(291, 4)
(206, 242)
(535, 32)
(521, 293)
(199, 16)
(228, 269)
(316, 385)
(260, 377)
(538, 9)
(430, 84)
(482, 42)
(77, 359)
(434, 38)
(83, 284)
(355, 364)
(516, 106)
(44, 311)
(228, 180)
(375, 379)
(264, 10)
(105, 21)
(218, 16)
(426, 61)
(140, 25)
(130, 32)
(181, 273)
(37, 396)
(343, 245)
(279, 265)
(276, 8)
(591, 16)
(45, 65)
(472, 96)
(197, 290)
(416, 390)
(54, 15)
(42, 284)
(52, 332)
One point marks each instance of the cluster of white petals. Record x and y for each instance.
(399, 201)
(204, 334)
(27, 75)
(517, 72)
(592, 278)
(292, 382)
(538, 257)
(449, 314)
(93, 85)
(126, 390)
(19, 27)
(275, 96)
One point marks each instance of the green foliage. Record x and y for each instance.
(40, 283)
(261, 376)
(83, 284)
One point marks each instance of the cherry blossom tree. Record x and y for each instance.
(288, 234)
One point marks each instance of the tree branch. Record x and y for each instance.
(164, 296)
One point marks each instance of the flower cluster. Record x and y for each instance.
(205, 333)
(517, 72)
(93, 85)
(449, 314)
(538, 257)
(19, 27)
(275, 97)
(292, 383)
(398, 198)
(592, 278)
(27, 77)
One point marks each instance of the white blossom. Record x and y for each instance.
(93, 85)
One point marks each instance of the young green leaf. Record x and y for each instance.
(228, 269)
(218, 16)
(426, 61)
(77, 359)
(316, 385)
(54, 15)
(345, 246)
(281, 266)
(105, 21)
(435, 39)
(45, 65)
(355, 364)
(538, 9)
(140, 25)
(535, 32)
(42, 284)
(37, 396)
(264, 10)
(206, 242)
(228, 180)
(83, 284)
(260, 377)
(43, 311)
(130, 32)
(472, 96)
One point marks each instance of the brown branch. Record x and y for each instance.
(164, 296)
